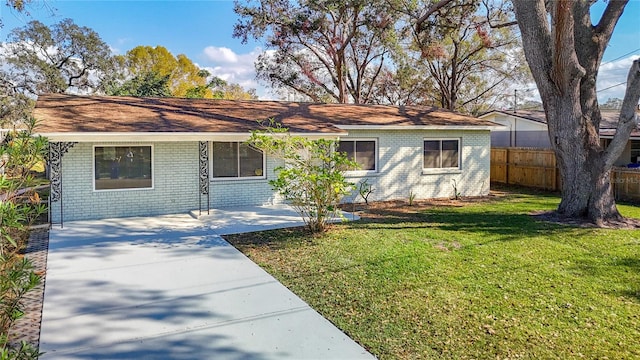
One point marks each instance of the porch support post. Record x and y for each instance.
(203, 174)
(56, 151)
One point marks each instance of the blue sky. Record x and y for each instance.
(203, 29)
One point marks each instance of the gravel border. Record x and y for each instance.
(28, 327)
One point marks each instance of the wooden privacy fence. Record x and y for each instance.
(526, 167)
(626, 183)
(537, 168)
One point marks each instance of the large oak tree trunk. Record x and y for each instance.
(564, 51)
(586, 185)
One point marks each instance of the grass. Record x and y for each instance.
(483, 280)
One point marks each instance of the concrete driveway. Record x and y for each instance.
(169, 287)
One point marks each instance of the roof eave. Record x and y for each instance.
(418, 127)
(512, 114)
(166, 136)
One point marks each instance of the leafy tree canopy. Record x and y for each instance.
(155, 71)
(147, 84)
(56, 59)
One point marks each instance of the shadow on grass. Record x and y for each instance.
(274, 239)
(494, 218)
(493, 225)
(603, 271)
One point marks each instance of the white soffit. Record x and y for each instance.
(166, 136)
(417, 127)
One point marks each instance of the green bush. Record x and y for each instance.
(20, 206)
(17, 278)
(23, 352)
(312, 180)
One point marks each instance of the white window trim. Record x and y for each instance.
(442, 170)
(232, 178)
(377, 155)
(93, 167)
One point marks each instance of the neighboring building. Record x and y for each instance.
(123, 156)
(524, 128)
(528, 128)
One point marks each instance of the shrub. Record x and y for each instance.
(312, 180)
(20, 205)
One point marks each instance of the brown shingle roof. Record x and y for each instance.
(59, 113)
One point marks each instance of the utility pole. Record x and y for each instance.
(515, 101)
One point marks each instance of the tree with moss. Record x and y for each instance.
(464, 57)
(147, 84)
(56, 59)
(325, 50)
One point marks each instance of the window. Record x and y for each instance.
(441, 154)
(635, 151)
(361, 151)
(236, 160)
(122, 167)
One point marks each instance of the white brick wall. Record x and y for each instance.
(175, 173)
(400, 166)
(242, 192)
(175, 166)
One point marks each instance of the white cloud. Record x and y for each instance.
(221, 55)
(612, 74)
(611, 77)
(120, 43)
(234, 68)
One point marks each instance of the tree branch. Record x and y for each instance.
(628, 118)
(610, 18)
(532, 21)
(437, 6)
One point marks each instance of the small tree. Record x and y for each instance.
(19, 207)
(312, 178)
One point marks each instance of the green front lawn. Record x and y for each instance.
(483, 280)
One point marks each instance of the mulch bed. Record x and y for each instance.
(28, 327)
(379, 209)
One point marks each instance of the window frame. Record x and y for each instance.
(376, 150)
(443, 169)
(633, 150)
(235, 178)
(93, 166)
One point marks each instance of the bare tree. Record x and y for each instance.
(466, 51)
(327, 50)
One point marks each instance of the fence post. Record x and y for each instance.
(507, 165)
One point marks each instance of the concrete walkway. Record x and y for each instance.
(169, 287)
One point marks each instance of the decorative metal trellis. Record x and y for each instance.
(203, 166)
(56, 152)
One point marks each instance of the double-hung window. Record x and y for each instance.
(236, 160)
(122, 167)
(441, 154)
(363, 152)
